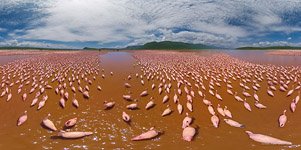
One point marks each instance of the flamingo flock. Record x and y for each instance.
(182, 81)
(195, 74)
(37, 77)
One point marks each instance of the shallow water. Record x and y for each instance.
(111, 132)
(262, 57)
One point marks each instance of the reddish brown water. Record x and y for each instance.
(111, 132)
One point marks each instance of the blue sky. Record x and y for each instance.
(120, 23)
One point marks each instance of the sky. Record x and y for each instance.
(121, 23)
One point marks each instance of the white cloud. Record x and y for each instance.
(137, 21)
(2, 30)
(285, 29)
(267, 19)
(109, 21)
(13, 3)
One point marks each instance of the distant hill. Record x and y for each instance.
(29, 48)
(15, 47)
(164, 45)
(269, 47)
(99, 49)
(90, 48)
(169, 45)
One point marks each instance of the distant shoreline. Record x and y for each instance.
(285, 52)
(270, 48)
(290, 52)
(4, 52)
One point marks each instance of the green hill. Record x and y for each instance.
(268, 48)
(89, 48)
(169, 45)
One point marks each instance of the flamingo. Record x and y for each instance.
(167, 111)
(227, 112)
(48, 123)
(229, 91)
(290, 92)
(282, 119)
(149, 105)
(215, 120)
(246, 94)
(22, 119)
(108, 105)
(218, 96)
(24, 96)
(75, 102)
(270, 93)
(220, 110)
(165, 99)
(86, 94)
(152, 133)
(186, 121)
(259, 105)
(189, 106)
(34, 102)
(62, 102)
(238, 98)
(265, 139)
(9, 96)
(297, 98)
(188, 133)
(180, 108)
(175, 98)
(211, 110)
(293, 105)
(256, 96)
(144, 93)
(70, 122)
(247, 106)
(206, 101)
(73, 135)
(126, 117)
